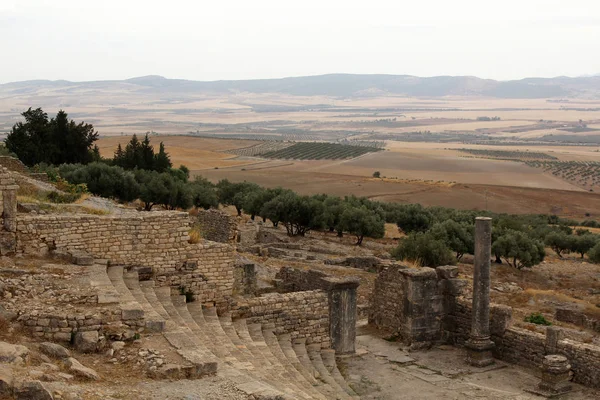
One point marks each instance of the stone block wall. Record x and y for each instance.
(294, 280)
(577, 317)
(301, 314)
(59, 326)
(216, 225)
(244, 273)
(406, 302)
(158, 240)
(341, 295)
(527, 348)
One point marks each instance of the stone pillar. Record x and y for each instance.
(9, 202)
(342, 313)
(479, 346)
(553, 336)
(556, 373)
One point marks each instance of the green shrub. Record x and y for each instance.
(594, 254)
(538, 319)
(57, 197)
(424, 250)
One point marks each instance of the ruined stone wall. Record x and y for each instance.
(158, 240)
(341, 296)
(216, 225)
(294, 280)
(406, 302)
(244, 274)
(577, 317)
(301, 314)
(13, 164)
(59, 325)
(527, 348)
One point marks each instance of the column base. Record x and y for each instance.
(479, 352)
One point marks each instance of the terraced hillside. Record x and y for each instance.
(319, 151)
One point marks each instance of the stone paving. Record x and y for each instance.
(387, 370)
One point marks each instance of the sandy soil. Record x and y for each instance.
(195, 153)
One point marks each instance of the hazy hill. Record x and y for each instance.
(341, 85)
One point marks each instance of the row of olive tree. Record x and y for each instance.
(435, 235)
(438, 236)
(169, 189)
(300, 214)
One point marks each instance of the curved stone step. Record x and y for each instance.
(208, 321)
(299, 347)
(285, 342)
(283, 370)
(192, 347)
(154, 322)
(102, 285)
(328, 357)
(130, 308)
(262, 369)
(147, 288)
(267, 336)
(314, 353)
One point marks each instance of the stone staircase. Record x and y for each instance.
(257, 361)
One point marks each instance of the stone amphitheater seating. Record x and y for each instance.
(257, 361)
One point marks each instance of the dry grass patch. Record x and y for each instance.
(195, 235)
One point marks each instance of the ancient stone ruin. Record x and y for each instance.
(101, 282)
(135, 273)
(427, 306)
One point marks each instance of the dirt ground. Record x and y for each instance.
(386, 371)
(502, 199)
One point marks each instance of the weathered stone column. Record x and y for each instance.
(479, 346)
(9, 202)
(342, 313)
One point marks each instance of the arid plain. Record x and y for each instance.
(423, 158)
(423, 141)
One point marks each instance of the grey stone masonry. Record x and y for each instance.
(479, 346)
(341, 294)
(342, 313)
(156, 240)
(217, 225)
(9, 188)
(407, 303)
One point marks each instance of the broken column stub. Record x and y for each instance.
(342, 313)
(556, 373)
(479, 346)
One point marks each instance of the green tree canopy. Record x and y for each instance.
(361, 222)
(518, 249)
(459, 238)
(424, 250)
(56, 141)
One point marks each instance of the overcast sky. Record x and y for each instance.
(229, 39)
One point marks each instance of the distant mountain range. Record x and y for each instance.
(340, 85)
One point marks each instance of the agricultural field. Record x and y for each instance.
(264, 137)
(260, 148)
(508, 155)
(319, 151)
(585, 174)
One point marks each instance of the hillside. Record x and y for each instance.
(342, 85)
